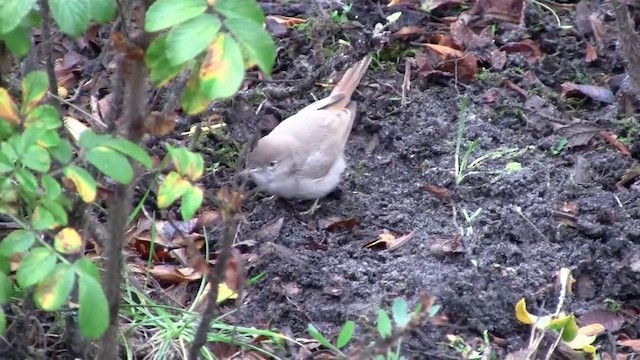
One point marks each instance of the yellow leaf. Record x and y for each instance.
(83, 182)
(225, 293)
(68, 241)
(592, 329)
(8, 109)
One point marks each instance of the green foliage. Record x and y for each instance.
(215, 45)
(189, 168)
(400, 314)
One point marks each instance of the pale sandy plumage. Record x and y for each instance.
(303, 157)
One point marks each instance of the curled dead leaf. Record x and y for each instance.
(389, 241)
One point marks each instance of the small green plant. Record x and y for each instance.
(464, 167)
(612, 305)
(467, 351)
(340, 17)
(384, 325)
(558, 147)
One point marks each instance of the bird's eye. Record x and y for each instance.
(273, 164)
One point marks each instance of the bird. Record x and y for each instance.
(303, 157)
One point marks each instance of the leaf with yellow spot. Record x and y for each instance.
(42, 219)
(34, 87)
(566, 324)
(68, 241)
(52, 292)
(222, 71)
(191, 200)
(171, 188)
(8, 109)
(85, 185)
(188, 164)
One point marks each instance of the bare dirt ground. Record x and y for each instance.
(517, 242)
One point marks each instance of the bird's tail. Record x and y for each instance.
(349, 82)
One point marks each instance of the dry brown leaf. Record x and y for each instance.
(526, 46)
(502, 10)
(438, 191)
(389, 241)
(334, 223)
(446, 244)
(598, 93)
(634, 344)
(159, 124)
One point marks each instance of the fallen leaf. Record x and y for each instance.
(271, 230)
(390, 241)
(608, 320)
(159, 124)
(528, 47)
(503, 10)
(438, 191)
(446, 244)
(598, 93)
(333, 223)
(634, 344)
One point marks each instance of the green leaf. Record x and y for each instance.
(51, 186)
(57, 210)
(244, 9)
(42, 219)
(36, 159)
(32, 19)
(315, 333)
(26, 180)
(102, 10)
(3, 322)
(62, 152)
(185, 41)
(35, 266)
(72, 16)
(8, 108)
(345, 334)
(34, 87)
(187, 163)
(255, 39)
(166, 13)
(130, 149)
(191, 200)
(67, 241)
(12, 12)
(49, 139)
(45, 116)
(17, 41)
(399, 312)
(171, 188)
(193, 99)
(52, 292)
(89, 139)
(7, 149)
(93, 312)
(222, 71)
(5, 266)
(28, 137)
(384, 324)
(156, 59)
(111, 163)
(5, 164)
(6, 289)
(17, 241)
(82, 180)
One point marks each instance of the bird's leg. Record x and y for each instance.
(312, 209)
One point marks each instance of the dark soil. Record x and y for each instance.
(516, 245)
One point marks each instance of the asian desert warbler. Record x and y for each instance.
(303, 157)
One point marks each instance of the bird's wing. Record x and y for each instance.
(323, 134)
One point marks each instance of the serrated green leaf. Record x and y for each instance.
(102, 10)
(111, 163)
(244, 9)
(171, 188)
(222, 71)
(27, 180)
(166, 13)
(93, 312)
(188, 39)
(72, 16)
(131, 150)
(383, 324)
(17, 41)
(6, 289)
(399, 312)
(62, 152)
(51, 186)
(16, 242)
(45, 116)
(345, 334)
(35, 266)
(36, 159)
(52, 292)
(255, 39)
(191, 201)
(12, 12)
(42, 219)
(34, 87)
